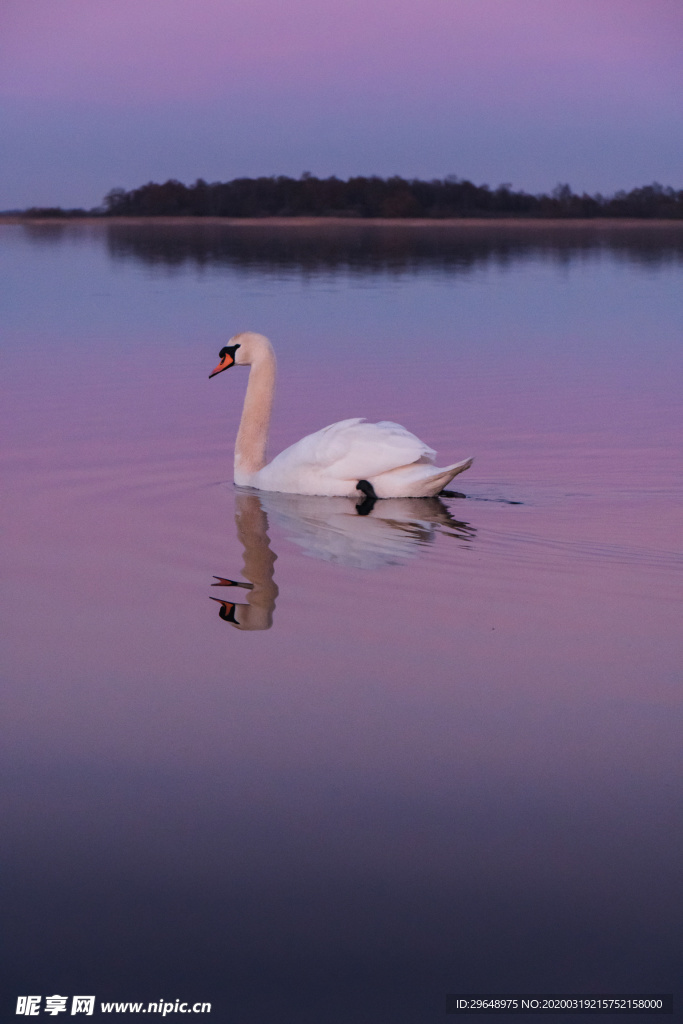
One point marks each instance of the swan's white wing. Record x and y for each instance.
(356, 450)
(334, 459)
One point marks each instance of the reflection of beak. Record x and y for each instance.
(222, 582)
(226, 362)
(227, 612)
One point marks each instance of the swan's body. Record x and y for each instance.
(333, 461)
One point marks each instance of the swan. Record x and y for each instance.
(381, 460)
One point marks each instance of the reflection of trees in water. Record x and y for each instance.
(292, 249)
(395, 249)
(52, 232)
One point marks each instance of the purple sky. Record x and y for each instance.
(102, 93)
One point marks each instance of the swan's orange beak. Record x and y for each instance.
(226, 362)
(227, 355)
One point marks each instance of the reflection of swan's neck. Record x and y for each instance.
(252, 436)
(259, 564)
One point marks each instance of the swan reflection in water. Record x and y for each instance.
(368, 535)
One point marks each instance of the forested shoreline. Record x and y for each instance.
(392, 198)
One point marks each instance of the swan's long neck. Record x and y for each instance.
(252, 436)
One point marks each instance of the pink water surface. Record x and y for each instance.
(451, 761)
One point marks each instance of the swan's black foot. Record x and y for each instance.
(452, 494)
(222, 582)
(226, 611)
(367, 489)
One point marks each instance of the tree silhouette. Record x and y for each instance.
(394, 198)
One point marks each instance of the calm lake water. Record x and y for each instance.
(443, 754)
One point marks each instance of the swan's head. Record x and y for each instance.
(245, 349)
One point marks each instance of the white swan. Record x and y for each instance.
(383, 460)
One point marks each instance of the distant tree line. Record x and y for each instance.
(54, 212)
(392, 198)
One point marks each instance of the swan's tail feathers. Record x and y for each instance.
(431, 485)
(222, 582)
(460, 467)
